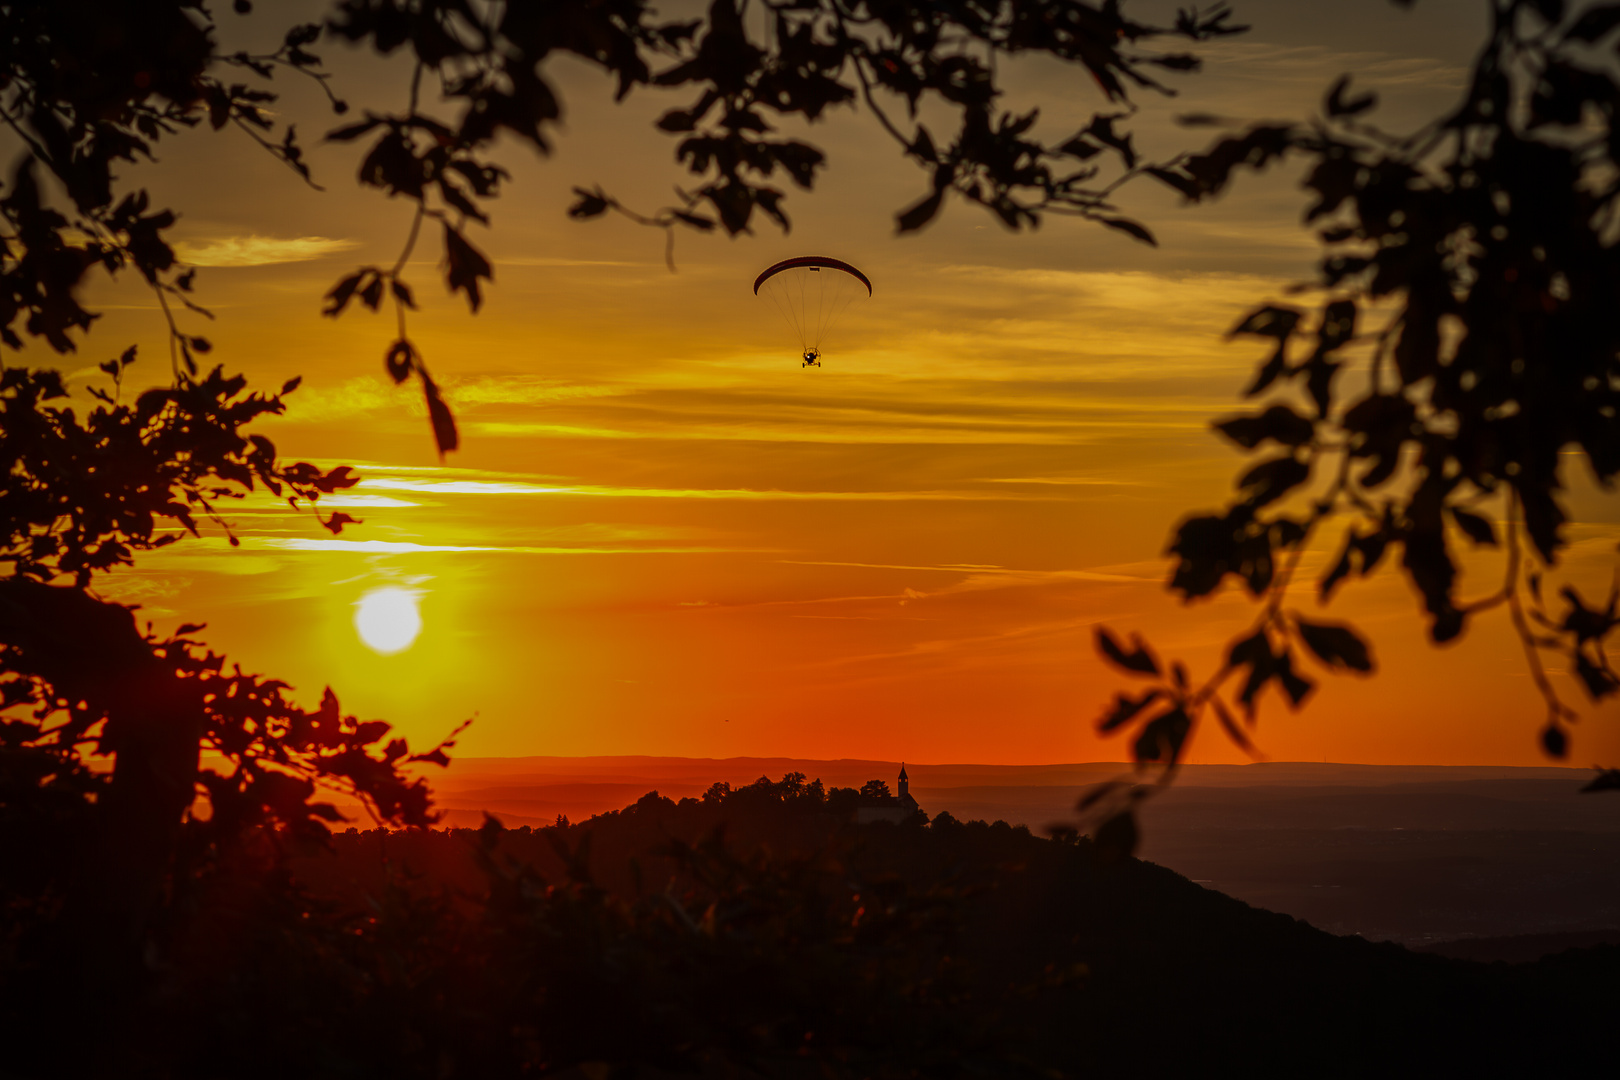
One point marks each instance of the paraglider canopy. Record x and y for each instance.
(811, 291)
(815, 261)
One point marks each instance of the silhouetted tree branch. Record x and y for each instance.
(1470, 279)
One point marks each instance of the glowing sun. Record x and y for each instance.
(387, 619)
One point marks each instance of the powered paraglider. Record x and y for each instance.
(811, 291)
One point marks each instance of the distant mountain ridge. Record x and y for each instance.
(534, 790)
(950, 774)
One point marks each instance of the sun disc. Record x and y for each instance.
(387, 619)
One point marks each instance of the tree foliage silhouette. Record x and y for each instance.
(876, 789)
(1463, 357)
(136, 769)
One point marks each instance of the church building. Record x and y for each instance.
(896, 808)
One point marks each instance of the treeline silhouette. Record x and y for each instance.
(761, 930)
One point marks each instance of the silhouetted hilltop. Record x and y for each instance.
(1086, 964)
(1414, 854)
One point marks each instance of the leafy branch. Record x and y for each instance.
(794, 60)
(1489, 238)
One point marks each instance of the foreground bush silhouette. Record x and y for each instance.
(749, 963)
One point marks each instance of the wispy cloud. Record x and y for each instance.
(402, 547)
(1016, 576)
(536, 260)
(1268, 62)
(362, 547)
(258, 250)
(972, 579)
(521, 390)
(479, 487)
(1083, 481)
(809, 424)
(368, 394)
(346, 501)
(1011, 644)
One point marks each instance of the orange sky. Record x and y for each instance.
(664, 537)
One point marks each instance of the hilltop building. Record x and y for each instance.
(896, 808)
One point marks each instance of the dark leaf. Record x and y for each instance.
(1231, 726)
(1554, 741)
(1269, 321)
(464, 266)
(1181, 182)
(676, 120)
(1124, 708)
(350, 132)
(922, 147)
(1337, 105)
(371, 293)
(1598, 680)
(1140, 659)
(1478, 529)
(1271, 480)
(1295, 685)
(444, 424)
(1605, 780)
(1131, 228)
(1162, 739)
(1254, 653)
(1335, 644)
(1269, 371)
(1279, 423)
(338, 298)
(922, 213)
(1543, 518)
(697, 221)
(589, 204)
(400, 361)
(1431, 569)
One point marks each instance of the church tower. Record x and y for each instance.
(898, 809)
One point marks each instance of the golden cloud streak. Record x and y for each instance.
(233, 251)
(479, 487)
(402, 547)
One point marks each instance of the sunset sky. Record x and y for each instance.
(662, 536)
